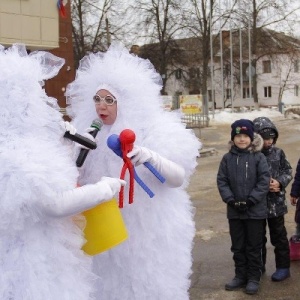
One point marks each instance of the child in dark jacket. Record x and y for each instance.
(243, 182)
(294, 196)
(281, 175)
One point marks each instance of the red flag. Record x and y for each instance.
(61, 8)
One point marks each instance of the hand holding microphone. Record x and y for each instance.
(69, 127)
(96, 125)
(75, 137)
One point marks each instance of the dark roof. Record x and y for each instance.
(269, 42)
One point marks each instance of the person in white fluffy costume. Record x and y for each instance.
(40, 247)
(155, 262)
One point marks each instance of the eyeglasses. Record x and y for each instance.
(108, 99)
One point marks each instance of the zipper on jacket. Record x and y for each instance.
(246, 169)
(237, 160)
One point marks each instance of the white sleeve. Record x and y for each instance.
(173, 173)
(75, 201)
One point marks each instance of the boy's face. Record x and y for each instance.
(268, 143)
(242, 141)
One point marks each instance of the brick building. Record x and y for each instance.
(55, 87)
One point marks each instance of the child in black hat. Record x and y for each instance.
(243, 182)
(281, 175)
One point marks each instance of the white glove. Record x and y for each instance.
(88, 136)
(69, 127)
(172, 172)
(82, 198)
(114, 185)
(139, 155)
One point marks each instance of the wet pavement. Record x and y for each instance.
(213, 264)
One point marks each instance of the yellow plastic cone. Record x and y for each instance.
(104, 228)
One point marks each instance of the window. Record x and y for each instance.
(266, 66)
(296, 66)
(194, 72)
(246, 92)
(296, 90)
(228, 93)
(178, 73)
(268, 92)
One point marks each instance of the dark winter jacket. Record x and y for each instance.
(279, 168)
(295, 190)
(244, 175)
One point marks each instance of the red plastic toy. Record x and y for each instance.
(127, 138)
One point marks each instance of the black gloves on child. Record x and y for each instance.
(241, 206)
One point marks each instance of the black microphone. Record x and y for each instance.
(82, 140)
(97, 124)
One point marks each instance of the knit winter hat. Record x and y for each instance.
(242, 126)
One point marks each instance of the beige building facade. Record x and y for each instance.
(32, 22)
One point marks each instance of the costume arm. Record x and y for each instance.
(172, 172)
(77, 200)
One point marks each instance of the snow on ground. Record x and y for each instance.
(226, 116)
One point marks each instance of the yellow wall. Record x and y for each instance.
(32, 22)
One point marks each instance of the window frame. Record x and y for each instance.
(267, 92)
(267, 66)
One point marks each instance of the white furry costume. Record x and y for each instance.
(155, 262)
(40, 255)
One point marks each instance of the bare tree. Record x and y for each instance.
(287, 65)
(95, 23)
(160, 24)
(199, 26)
(88, 26)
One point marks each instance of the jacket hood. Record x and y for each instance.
(262, 123)
(255, 146)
